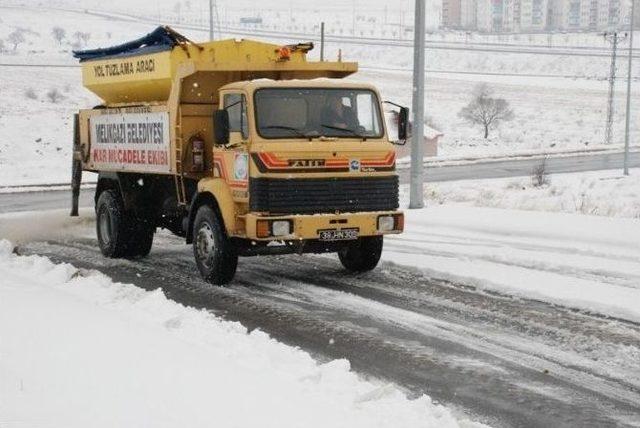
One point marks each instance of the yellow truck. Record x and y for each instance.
(241, 147)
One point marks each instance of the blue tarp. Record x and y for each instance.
(160, 39)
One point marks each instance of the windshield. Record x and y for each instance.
(316, 112)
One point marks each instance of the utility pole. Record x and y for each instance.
(353, 18)
(614, 38)
(214, 21)
(211, 19)
(625, 164)
(416, 194)
(322, 41)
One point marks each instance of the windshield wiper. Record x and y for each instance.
(298, 131)
(352, 131)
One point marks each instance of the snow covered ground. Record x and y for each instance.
(185, 359)
(512, 237)
(78, 350)
(551, 114)
(602, 193)
(583, 262)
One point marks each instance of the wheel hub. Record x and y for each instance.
(105, 227)
(205, 244)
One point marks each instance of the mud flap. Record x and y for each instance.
(76, 167)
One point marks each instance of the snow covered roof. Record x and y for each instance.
(431, 133)
(391, 117)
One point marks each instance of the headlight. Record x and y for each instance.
(281, 227)
(386, 223)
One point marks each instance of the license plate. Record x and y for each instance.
(338, 235)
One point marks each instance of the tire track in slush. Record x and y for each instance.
(502, 360)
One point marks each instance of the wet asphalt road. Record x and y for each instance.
(43, 200)
(505, 361)
(53, 199)
(524, 167)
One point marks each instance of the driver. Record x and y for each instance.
(335, 114)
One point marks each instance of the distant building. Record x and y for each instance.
(431, 136)
(533, 15)
(251, 20)
(431, 139)
(537, 15)
(511, 15)
(459, 14)
(490, 15)
(468, 14)
(451, 13)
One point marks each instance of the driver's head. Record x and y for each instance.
(335, 102)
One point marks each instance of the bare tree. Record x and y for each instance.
(539, 174)
(1, 45)
(58, 34)
(85, 37)
(16, 38)
(81, 38)
(54, 95)
(31, 94)
(486, 110)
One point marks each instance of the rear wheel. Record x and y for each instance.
(215, 255)
(120, 234)
(362, 255)
(141, 240)
(111, 225)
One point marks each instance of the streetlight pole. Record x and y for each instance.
(625, 166)
(416, 194)
(210, 19)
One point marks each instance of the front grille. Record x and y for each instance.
(323, 195)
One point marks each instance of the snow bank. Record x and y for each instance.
(584, 262)
(78, 350)
(603, 193)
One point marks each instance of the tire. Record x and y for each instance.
(214, 253)
(362, 255)
(111, 225)
(120, 235)
(141, 241)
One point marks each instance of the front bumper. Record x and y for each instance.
(309, 227)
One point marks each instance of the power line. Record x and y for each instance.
(491, 47)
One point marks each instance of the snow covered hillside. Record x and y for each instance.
(37, 103)
(78, 350)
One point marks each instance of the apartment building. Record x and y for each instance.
(459, 14)
(537, 15)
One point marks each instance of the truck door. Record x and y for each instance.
(231, 162)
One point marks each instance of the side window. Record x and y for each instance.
(367, 112)
(236, 105)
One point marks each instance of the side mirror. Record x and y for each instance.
(403, 122)
(221, 126)
(399, 119)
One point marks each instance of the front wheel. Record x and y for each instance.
(362, 255)
(215, 255)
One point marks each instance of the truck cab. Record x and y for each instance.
(307, 166)
(272, 157)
